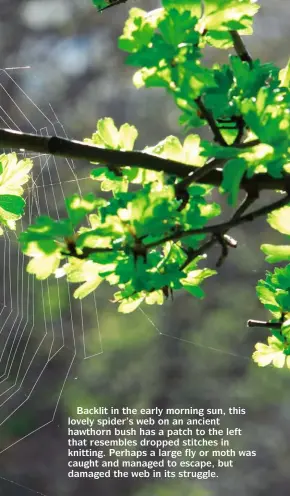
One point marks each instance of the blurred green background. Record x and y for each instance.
(57, 353)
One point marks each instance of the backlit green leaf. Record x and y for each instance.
(280, 220)
(276, 253)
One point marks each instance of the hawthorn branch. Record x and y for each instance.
(248, 200)
(262, 323)
(207, 115)
(112, 3)
(224, 240)
(201, 172)
(198, 174)
(217, 230)
(221, 228)
(194, 177)
(199, 251)
(218, 235)
(62, 147)
(240, 48)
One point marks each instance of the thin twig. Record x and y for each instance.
(201, 172)
(240, 48)
(247, 144)
(245, 204)
(222, 227)
(216, 230)
(222, 238)
(198, 174)
(112, 4)
(207, 115)
(262, 323)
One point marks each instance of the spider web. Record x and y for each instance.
(30, 352)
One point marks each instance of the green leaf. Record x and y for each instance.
(273, 353)
(194, 278)
(42, 267)
(283, 299)
(78, 207)
(13, 204)
(267, 114)
(195, 291)
(177, 27)
(219, 39)
(285, 329)
(115, 179)
(46, 228)
(193, 6)
(284, 76)
(100, 4)
(87, 288)
(127, 136)
(130, 304)
(233, 173)
(138, 30)
(280, 220)
(156, 297)
(266, 295)
(108, 132)
(211, 149)
(221, 15)
(14, 174)
(276, 253)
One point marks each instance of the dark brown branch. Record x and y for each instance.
(216, 230)
(207, 115)
(224, 239)
(201, 172)
(248, 200)
(198, 174)
(62, 147)
(112, 3)
(261, 323)
(240, 48)
(247, 144)
(219, 235)
(223, 227)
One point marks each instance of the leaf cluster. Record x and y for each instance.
(147, 231)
